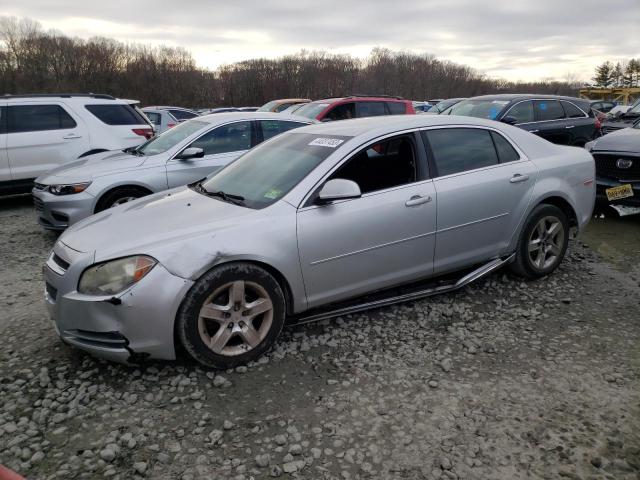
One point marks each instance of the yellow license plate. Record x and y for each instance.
(616, 193)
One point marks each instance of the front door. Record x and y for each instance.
(41, 137)
(221, 146)
(384, 238)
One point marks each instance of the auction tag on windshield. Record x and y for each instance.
(326, 142)
(273, 194)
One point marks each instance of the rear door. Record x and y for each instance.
(42, 136)
(550, 122)
(483, 186)
(221, 145)
(581, 127)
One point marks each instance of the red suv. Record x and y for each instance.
(355, 106)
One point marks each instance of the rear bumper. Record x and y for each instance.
(59, 212)
(603, 183)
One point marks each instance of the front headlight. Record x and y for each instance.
(68, 189)
(112, 277)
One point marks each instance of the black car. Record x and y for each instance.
(562, 120)
(617, 157)
(622, 120)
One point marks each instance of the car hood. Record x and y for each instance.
(625, 140)
(174, 217)
(621, 121)
(91, 166)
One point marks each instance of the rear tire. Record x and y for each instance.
(232, 315)
(119, 196)
(543, 242)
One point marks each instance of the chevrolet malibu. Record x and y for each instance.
(188, 152)
(322, 220)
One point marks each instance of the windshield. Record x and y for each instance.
(311, 110)
(171, 137)
(479, 108)
(266, 173)
(267, 107)
(443, 105)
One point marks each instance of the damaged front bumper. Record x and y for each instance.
(135, 324)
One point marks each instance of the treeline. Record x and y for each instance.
(621, 74)
(36, 61)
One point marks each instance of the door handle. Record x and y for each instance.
(517, 178)
(417, 200)
(71, 136)
(570, 126)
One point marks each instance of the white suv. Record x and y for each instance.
(40, 132)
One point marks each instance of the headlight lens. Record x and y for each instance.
(68, 189)
(112, 277)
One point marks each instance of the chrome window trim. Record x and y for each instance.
(543, 99)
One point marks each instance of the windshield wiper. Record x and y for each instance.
(227, 197)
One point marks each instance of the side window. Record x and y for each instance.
(457, 150)
(383, 165)
(271, 128)
(548, 110)
(522, 112)
(232, 137)
(572, 111)
(3, 119)
(181, 115)
(371, 109)
(154, 117)
(397, 108)
(34, 118)
(506, 153)
(342, 112)
(116, 114)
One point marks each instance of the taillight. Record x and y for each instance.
(143, 132)
(598, 123)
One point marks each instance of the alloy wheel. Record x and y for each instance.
(546, 242)
(235, 318)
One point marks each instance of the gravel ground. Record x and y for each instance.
(504, 380)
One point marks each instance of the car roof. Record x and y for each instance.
(225, 117)
(389, 123)
(359, 98)
(84, 99)
(525, 96)
(166, 107)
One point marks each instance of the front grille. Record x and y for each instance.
(606, 167)
(39, 204)
(51, 291)
(63, 264)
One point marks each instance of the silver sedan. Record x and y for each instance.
(187, 152)
(306, 224)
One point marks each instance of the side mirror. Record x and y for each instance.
(191, 152)
(338, 189)
(509, 120)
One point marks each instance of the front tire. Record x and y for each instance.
(232, 315)
(119, 196)
(543, 242)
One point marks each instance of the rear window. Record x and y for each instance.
(397, 108)
(34, 118)
(481, 108)
(154, 117)
(271, 128)
(116, 114)
(183, 114)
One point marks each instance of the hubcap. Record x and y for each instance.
(235, 318)
(122, 200)
(546, 242)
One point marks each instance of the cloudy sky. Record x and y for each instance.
(513, 39)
